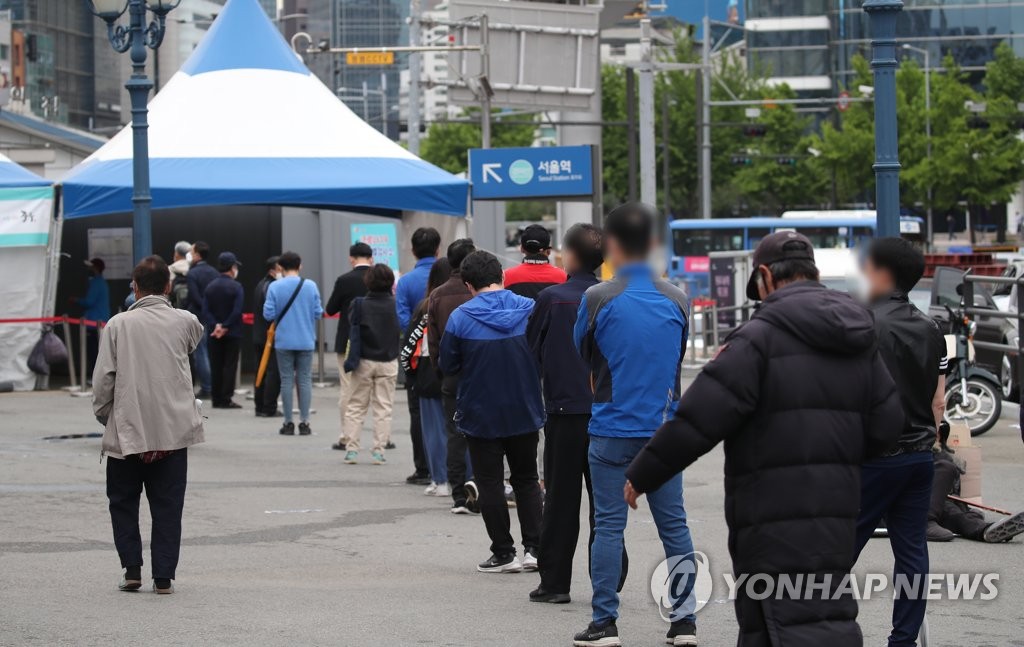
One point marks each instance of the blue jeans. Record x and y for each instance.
(296, 367)
(202, 360)
(435, 440)
(899, 488)
(609, 458)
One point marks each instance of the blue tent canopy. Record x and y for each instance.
(245, 122)
(12, 175)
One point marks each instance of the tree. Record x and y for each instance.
(447, 144)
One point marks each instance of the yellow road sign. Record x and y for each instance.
(370, 58)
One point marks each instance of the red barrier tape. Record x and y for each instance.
(84, 322)
(248, 317)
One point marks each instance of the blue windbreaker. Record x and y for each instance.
(631, 331)
(485, 343)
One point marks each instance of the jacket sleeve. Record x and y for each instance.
(403, 304)
(270, 305)
(355, 337)
(195, 297)
(234, 319)
(318, 308)
(884, 423)
(583, 332)
(333, 306)
(410, 341)
(104, 374)
(450, 360)
(206, 316)
(92, 294)
(716, 406)
(537, 327)
(195, 332)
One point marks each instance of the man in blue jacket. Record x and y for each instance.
(631, 331)
(222, 315)
(499, 407)
(95, 306)
(199, 276)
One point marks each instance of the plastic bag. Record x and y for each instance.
(37, 358)
(54, 350)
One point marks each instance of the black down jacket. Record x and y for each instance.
(801, 398)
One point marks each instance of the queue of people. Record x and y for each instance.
(596, 366)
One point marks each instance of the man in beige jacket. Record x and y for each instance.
(143, 396)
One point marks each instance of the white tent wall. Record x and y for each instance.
(22, 273)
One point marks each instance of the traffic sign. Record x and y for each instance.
(519, 173)
(844, 101)
(370, 58)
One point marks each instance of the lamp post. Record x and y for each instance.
(134, 38)
(927, 125)
(882, 16)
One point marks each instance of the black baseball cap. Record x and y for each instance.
(536, 238)
(780, 246)
(227, 260)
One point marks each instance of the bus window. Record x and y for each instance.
(862, 235)
(701, 242)
(754, 236)
(826, 237)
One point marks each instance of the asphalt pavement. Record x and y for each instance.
(286, 545)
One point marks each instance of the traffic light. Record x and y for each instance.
(786, 161)
(755, 130)
(739, 160)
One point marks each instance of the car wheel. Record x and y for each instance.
(1007, 378)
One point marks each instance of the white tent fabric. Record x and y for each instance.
(25, 219)
(245, 122)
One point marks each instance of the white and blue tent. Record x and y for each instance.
(14, 176)
(245, 122)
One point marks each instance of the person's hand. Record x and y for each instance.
(630, 495)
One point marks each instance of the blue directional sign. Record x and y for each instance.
(547, 172)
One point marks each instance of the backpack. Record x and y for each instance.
(179, 292)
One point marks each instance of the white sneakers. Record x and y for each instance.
(438, 489)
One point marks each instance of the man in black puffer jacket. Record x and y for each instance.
(801, 398)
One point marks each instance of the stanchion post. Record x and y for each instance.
(72, 375)
(83, 389)
(693, 335)
(320, 370)
(714, 324)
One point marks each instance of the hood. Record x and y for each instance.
(500, 310)
(824, 319)
(179, 267)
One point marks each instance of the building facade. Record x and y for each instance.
(810, 44)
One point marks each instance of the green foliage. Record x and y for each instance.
(447, 144)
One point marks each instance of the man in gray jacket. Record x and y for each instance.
(143, 396)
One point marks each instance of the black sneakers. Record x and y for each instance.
(304, 429)
(418, 478)
(682, 634)
(541, 595)
(598, 634)
(163, 586)
(287, 429)
(501, 564)
(132, 579)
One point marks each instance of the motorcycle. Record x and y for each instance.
(973, 394)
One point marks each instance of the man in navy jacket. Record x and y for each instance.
(567, 398)
(222, 315)
(498, 406)
(631, 331)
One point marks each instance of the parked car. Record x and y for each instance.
(994, 330)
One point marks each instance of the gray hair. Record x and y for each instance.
(182, 247)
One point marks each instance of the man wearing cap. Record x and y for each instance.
(95, 307)
(536, 271)
(222, 315)
(802, 398)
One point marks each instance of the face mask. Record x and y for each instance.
(188, 257)
(278, 275)
(234, 273)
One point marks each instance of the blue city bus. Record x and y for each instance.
(690, 242)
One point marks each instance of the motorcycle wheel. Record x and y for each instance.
(979, 410)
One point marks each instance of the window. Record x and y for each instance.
(824, 237)
(701, 242)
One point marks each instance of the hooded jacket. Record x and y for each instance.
(801, 398)
(485, 343)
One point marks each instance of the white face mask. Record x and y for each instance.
(234, 272)
(278, 275)
(188, 257)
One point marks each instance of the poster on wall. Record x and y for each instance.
(382, 237)
(25, 216)
(114, 246)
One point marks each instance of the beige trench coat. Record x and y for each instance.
(142, 383)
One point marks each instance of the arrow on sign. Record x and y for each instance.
(490, 170)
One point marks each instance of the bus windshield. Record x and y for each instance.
(701, 242)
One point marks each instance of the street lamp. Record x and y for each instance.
(882, 16)
(134, 38)
(927, 123)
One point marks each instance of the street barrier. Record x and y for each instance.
(79, 379)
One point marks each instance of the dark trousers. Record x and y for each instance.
(488, 456)
(165, 489)
(419, 457)
(265, 395)
(92, 350)
(223, 365)
(899, 489)
(954, 517)
(456, 442)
